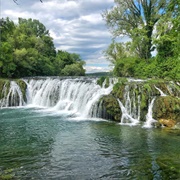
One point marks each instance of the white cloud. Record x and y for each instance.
(75, 25)
(92, 18)
(94, 69)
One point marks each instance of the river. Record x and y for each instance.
(37, 143)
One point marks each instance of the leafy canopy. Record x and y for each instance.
(27, 49)
(137, 20)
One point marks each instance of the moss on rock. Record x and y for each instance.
(101, 80)
(167, 107)
(4, 82)
(112, 107)
(167, 123)
(23, 87)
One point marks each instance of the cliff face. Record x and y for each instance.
(136, 97)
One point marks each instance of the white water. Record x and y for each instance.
(135, 80)
(75, 98)
(161, 92)
(12, 98)
(131, 109)
(126, 118)
(149, 119)
(72, 96)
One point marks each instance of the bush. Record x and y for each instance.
(73, 70)
(155, 67)
(125, 67)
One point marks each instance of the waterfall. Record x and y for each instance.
(83, 97)
(126, 118)
(149, 118)
(162, 94)
(131, 109)
(98, 111)
(13, 97)
(74, 96)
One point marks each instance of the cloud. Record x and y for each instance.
(75, 25)
(94, 69)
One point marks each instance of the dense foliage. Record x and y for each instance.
(28, 50)
(151, 25)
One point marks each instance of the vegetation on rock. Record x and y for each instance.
(111, 107)
(140, 94)
(167, 108)
(103, 81)
(7, 93)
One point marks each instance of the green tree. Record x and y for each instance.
(75, 69)
(116, 51)
(7, 65)
(136, 19)
(34, 50)
(28, 50)
(6, 28)
(65, 62)
(167, 37)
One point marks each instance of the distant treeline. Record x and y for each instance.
(27, 49)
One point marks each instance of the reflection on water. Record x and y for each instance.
(37, 145)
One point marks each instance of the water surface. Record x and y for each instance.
(37, 144)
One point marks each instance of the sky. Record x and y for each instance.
(76, 26)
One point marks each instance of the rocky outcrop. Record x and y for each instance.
(137, 95)
(167, 107)
(111, 108)
(167, 123)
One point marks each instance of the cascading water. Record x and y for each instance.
(161, 92)
(126, 118)
(83, 97)
(149, 118)
(13, 96)
(74, 96)
(131, 109)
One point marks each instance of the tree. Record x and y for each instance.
(28, 50)
(167, 37)
(73, 70)
(66, 63)
(34, 50)
(116, 51)
(7, 64)
(136, 19)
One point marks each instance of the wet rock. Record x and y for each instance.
(167, 123)
(137, 95)
(177, 126)
(111, 107)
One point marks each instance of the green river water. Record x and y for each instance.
(37, 144)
